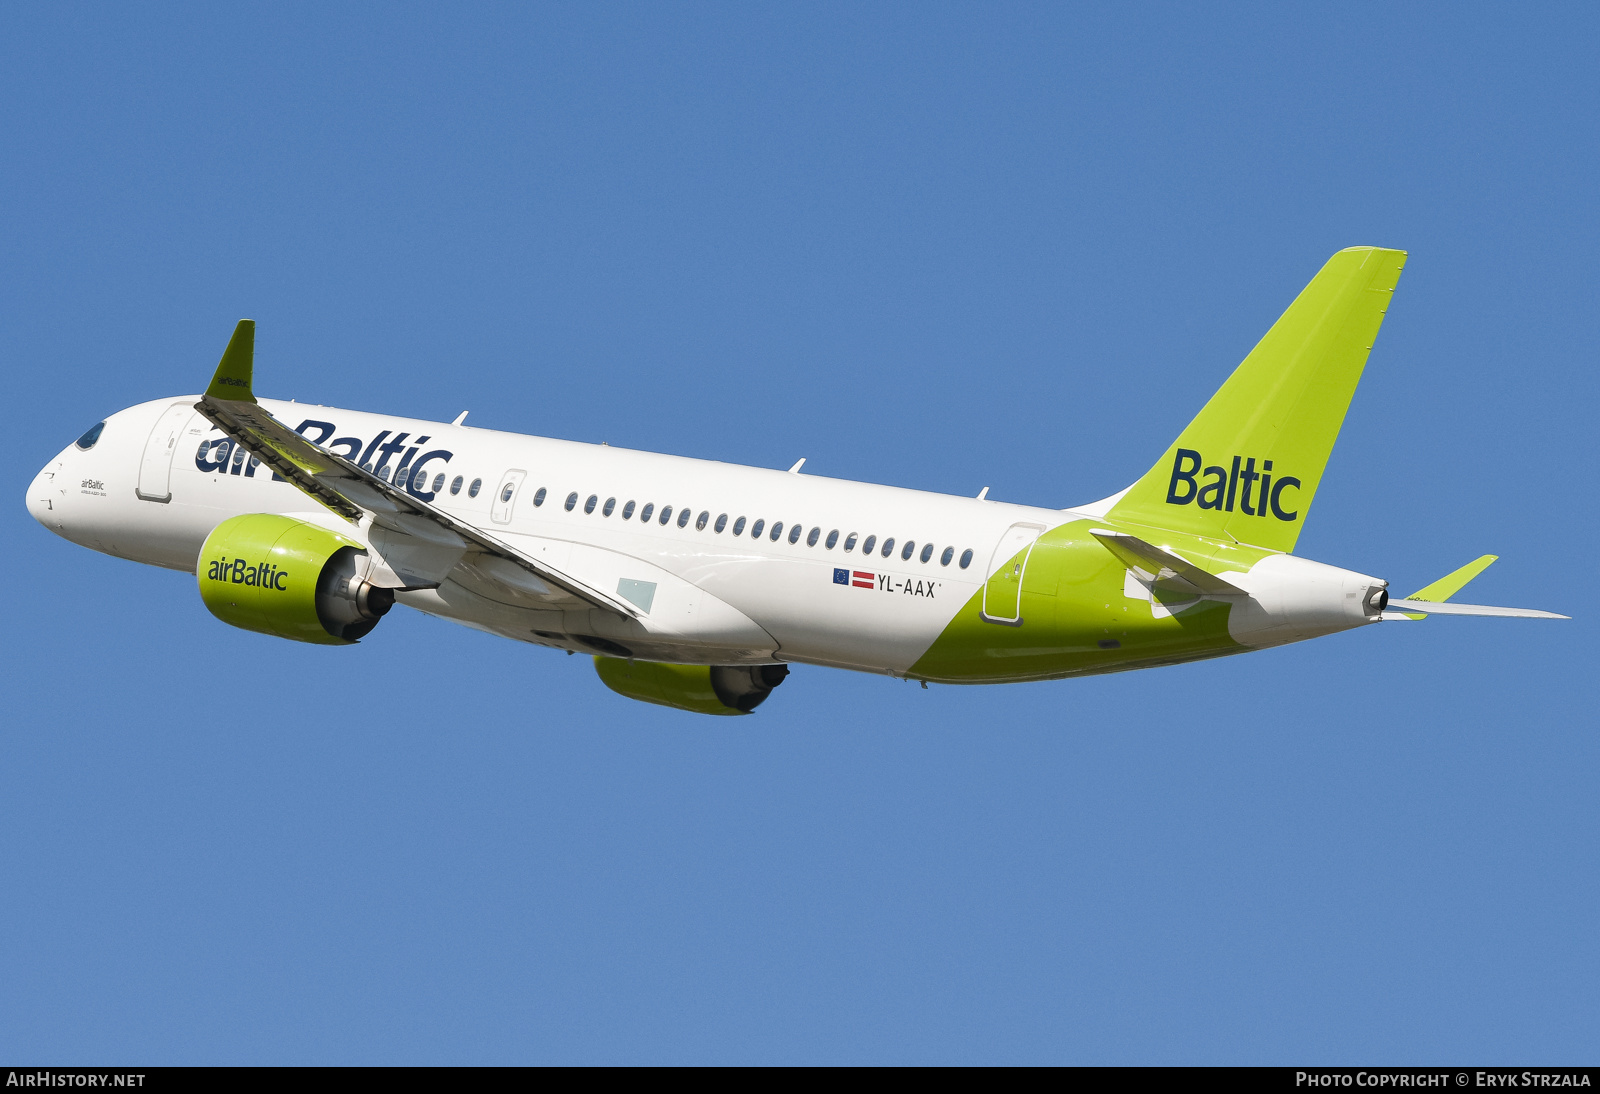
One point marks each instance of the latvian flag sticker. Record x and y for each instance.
(857, 579)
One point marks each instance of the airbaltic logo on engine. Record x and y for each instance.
(238, 572)
(1223, 487)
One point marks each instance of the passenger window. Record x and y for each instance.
(647, 512)
(722, 522)
(538, 497)
(572, 498)
(888, 547)
(438, 482)
(455, 487)
(866, 548)
(905, 552)
(511, 488)
(738, 527)
(833, 538)
(850, 542)
(777, 530)
(700, 522)
(683, 518)
(609, 507)
(811, 540)
(949, 553)
(966, 558)
(927, 552)
(472, 491)
(757, 528)
(666, 513)
(590, 502)
(794, 533)
(87, 441)
(627, 512)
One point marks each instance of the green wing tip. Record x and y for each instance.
(233, 378)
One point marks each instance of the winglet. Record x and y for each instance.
(232, 381)
(1452, 583)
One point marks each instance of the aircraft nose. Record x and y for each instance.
(46, 494)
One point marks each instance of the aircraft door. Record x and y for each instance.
(1002, 593)
(505, 496)
(155, 470)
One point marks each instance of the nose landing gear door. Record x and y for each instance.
(155, 470)
(1002, 593)
(505, 496)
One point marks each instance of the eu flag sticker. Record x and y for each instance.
(841, 577)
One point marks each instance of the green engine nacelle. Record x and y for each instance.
(703, 689)
(284, 577)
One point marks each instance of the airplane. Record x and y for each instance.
(696, 584)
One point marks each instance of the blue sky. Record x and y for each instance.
(939, 246)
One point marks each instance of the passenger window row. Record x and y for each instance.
(759, 527)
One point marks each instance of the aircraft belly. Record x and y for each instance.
(677, 620)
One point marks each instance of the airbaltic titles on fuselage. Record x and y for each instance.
(411, 474)
(1223, 486)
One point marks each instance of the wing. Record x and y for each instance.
(418, 542)
(1163, 569)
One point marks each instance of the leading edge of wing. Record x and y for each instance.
(352, 493)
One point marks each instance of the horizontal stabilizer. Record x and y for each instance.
(1452, 583)
(1401, 609)
(1163, 569)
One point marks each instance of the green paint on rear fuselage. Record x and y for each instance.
(1074, 606)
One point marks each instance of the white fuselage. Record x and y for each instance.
(717, 594)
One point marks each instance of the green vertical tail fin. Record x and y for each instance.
(1247, 467)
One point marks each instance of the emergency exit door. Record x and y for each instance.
(505, 496)
(1002, 593)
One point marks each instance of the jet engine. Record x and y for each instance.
(284, 577)
(703, 689)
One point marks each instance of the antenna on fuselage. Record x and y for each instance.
(795, 470)
(460, 418)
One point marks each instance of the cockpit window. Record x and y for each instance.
(88, 440)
